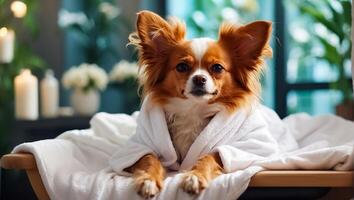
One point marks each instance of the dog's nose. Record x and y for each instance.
(199, 80)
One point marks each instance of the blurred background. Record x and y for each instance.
(61, 61)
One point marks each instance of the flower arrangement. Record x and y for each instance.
(85, 77)
(123, 77)
(124, 71)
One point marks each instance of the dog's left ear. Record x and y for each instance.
(247, 44)
(156, 32)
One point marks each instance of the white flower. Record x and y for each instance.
(81, 80)
(109, 10)
(73, 78)
(98, 76)
(85, 77)
(67, 18)
(123, 71)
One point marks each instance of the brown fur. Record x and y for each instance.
(247, 47)
(206, 169)
(147, 168)
(240, 50)
(155, 39)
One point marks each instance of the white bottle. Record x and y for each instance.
(26, 96)
(49, 95)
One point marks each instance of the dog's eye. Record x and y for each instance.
(182, 67)
(217, 68)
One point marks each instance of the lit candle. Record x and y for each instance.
(7, 43)
(26, 96)
(19, 9)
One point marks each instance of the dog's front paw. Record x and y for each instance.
(147, 186)
(148, 189)
(193, 182)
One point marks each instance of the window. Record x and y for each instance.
(308, 75)
(296, 80)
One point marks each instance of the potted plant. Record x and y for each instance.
(338, 23)
(124, 77)
(85, 81)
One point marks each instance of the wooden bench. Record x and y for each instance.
(341, 182)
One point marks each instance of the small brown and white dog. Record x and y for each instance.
(193, 80)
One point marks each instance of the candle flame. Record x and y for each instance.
(19, 9)
(3, 32)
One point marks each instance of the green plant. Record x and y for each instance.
(336, 18)
(24, 57)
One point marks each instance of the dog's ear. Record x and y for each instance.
(247, 44)
(155, 39)
(155, 31)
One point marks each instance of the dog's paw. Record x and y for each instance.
(148, 189)
(193, 183)
(147, 186)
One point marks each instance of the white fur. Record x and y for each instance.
(199, 47)
(149, 189)
(209, 85)
(186, 118)
(191, 184)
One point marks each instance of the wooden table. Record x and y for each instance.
(341, 182)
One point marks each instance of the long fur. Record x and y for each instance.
(152, 57)
(160, 43)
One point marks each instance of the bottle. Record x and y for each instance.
(49, 95)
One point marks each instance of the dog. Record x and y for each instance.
(192, 80)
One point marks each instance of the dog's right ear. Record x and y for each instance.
(154, 30)
(155, 38)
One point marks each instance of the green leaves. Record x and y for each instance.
(25, 58)
(347, 10)
(330, 23)
(338, 22)
(331, 53)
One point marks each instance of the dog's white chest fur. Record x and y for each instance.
(185, 120)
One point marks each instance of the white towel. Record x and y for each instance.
(79, 163)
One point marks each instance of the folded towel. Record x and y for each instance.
(87, 164)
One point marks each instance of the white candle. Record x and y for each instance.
(26, 96)
(19, 9)
(7, 43)
(49, 95)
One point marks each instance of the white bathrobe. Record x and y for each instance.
(88, 164)
(240, 138)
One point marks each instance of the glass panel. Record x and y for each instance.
(313, 102)
(315, 51)
(203, 17)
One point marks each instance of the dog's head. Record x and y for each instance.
(224, 71)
